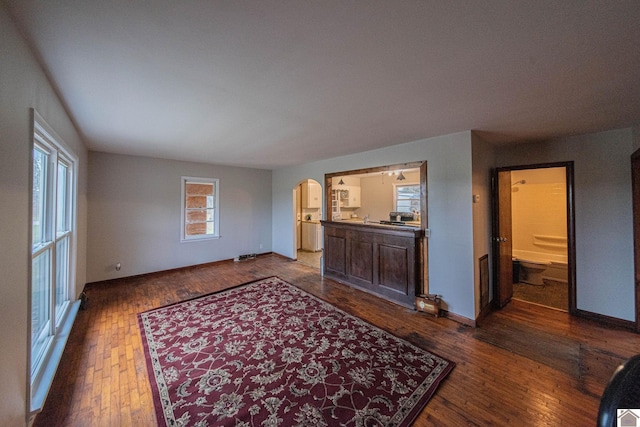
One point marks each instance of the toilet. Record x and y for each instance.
(532, 272)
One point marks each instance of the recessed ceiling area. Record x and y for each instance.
(274, 83)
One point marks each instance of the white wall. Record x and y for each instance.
(483, 160)
(603, 212)
(134, 215)
(449, 208)
(23, 85)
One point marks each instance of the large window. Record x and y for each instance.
(199, 208)
(53, 212)
(407, 197)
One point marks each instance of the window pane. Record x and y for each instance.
(40, 305)
(202, 189)
(408, 192)
(61, 203)
(196, 215)
(196, 228)
(62, 276)
(194, 202)
(404, 206)
(40, 159)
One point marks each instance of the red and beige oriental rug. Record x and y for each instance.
(268, 353)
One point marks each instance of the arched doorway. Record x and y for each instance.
(308, 231)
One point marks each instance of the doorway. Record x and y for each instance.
(534, 238)
(307, 196)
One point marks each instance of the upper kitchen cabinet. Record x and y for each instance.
(353, 197)
(347, 190)
(311, 195)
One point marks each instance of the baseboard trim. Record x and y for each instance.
(457, 318)
(607, 320)
(282, 256)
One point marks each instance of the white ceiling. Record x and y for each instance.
(271, 83)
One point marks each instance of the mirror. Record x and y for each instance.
(391, 194)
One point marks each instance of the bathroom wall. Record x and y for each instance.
(539, 208)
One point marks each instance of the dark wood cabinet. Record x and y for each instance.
(383, 260)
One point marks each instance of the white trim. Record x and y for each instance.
(216, 209)
(40, 391)
(39, 379)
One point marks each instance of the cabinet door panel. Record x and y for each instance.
(394, 268)
(335, 259)
(311, 195)
(361, 266)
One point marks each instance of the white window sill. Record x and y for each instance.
(200, 239)
(39, 394)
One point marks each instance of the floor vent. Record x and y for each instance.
(245, 257)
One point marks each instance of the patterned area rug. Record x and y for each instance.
(268, 353)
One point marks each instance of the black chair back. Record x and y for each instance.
(622, 392)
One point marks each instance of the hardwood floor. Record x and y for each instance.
(524, 364)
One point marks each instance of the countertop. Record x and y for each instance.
(413, 228)
(372, 222)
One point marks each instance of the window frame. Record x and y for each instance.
(43, 360)
(184, 180)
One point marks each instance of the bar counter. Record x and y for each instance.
(382, 259)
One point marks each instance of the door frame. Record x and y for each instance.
(635, 192)
(571, 233)
(501, 237)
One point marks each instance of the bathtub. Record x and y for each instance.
(555, 265)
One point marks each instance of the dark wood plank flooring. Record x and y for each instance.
(524, 365)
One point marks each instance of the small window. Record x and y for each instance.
(407, 197)
(199, 208)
